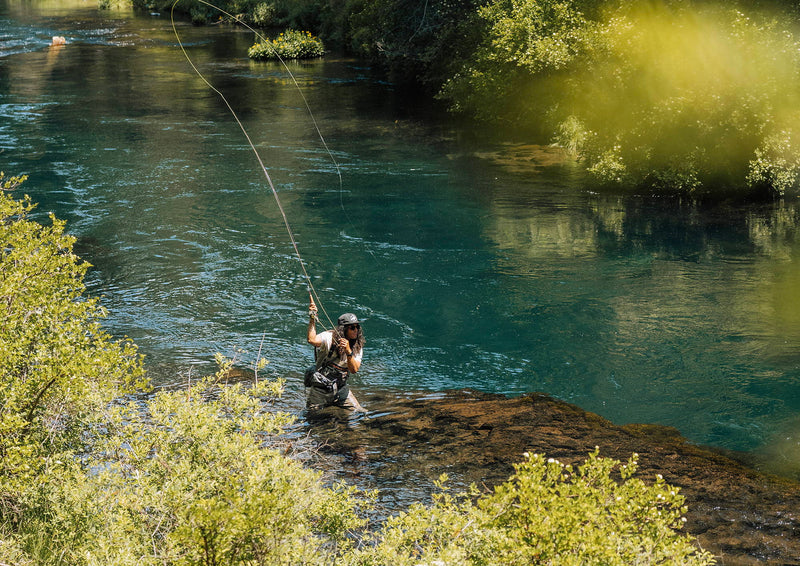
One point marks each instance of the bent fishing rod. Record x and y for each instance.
(310, 287)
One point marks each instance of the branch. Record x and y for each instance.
(38, 398)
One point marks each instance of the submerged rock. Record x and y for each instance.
(744, 517)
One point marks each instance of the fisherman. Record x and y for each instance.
(338, 353)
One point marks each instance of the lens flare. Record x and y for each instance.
(684, 97)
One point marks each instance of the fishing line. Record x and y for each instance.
(309, 285)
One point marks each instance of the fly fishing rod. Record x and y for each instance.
(310, 287)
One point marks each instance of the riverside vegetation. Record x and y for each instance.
(97, 469)
(672, 96)
(291, 44)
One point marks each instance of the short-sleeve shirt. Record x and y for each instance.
(322, 351)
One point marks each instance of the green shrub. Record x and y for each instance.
(263, 14)
(776, 163)
(523, 43)
(687, 97)
(195, 476)
(190, 482)
(419, 42)
(57, 365)
(254, 12)
(290, 44)
(547, 513)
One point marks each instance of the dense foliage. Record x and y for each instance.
(291, 44)
(198, 475)
(546, 513)
(674, 96)
(185, 480)
(57, 365)
(424, 42)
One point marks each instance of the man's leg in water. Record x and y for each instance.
(351, 403)
(317, 399)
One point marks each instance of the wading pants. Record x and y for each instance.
(318, 398)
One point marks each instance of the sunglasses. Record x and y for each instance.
(355, 326)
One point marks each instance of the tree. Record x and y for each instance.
(677, 96)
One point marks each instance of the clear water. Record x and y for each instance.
(474, 267)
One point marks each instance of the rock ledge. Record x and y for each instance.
(742, 516)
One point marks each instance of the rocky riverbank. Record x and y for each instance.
(742, 516)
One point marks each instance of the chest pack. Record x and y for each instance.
(328, 375)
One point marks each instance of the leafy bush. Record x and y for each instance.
(57, 366)
(419, 42)
(683, 97)
(546, 513)
(523, 43)
(776, 163)
(290, 44)
(187, 480)
(263, 14)
(255, 12)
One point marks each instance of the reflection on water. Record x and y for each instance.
(476, 265)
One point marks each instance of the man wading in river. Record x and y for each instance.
(338, 352)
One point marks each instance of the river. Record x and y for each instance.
(475, 263)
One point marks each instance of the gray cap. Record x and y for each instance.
(347, 318)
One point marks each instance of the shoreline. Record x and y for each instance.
(739, 514)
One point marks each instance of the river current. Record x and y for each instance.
(475, 263)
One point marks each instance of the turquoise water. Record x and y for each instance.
(476, 264)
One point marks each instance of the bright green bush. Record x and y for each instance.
(188, 480)
(193, 476)
(57, 365)
(291, 44)
(524, 42)
(547, 513)
(263, 14)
